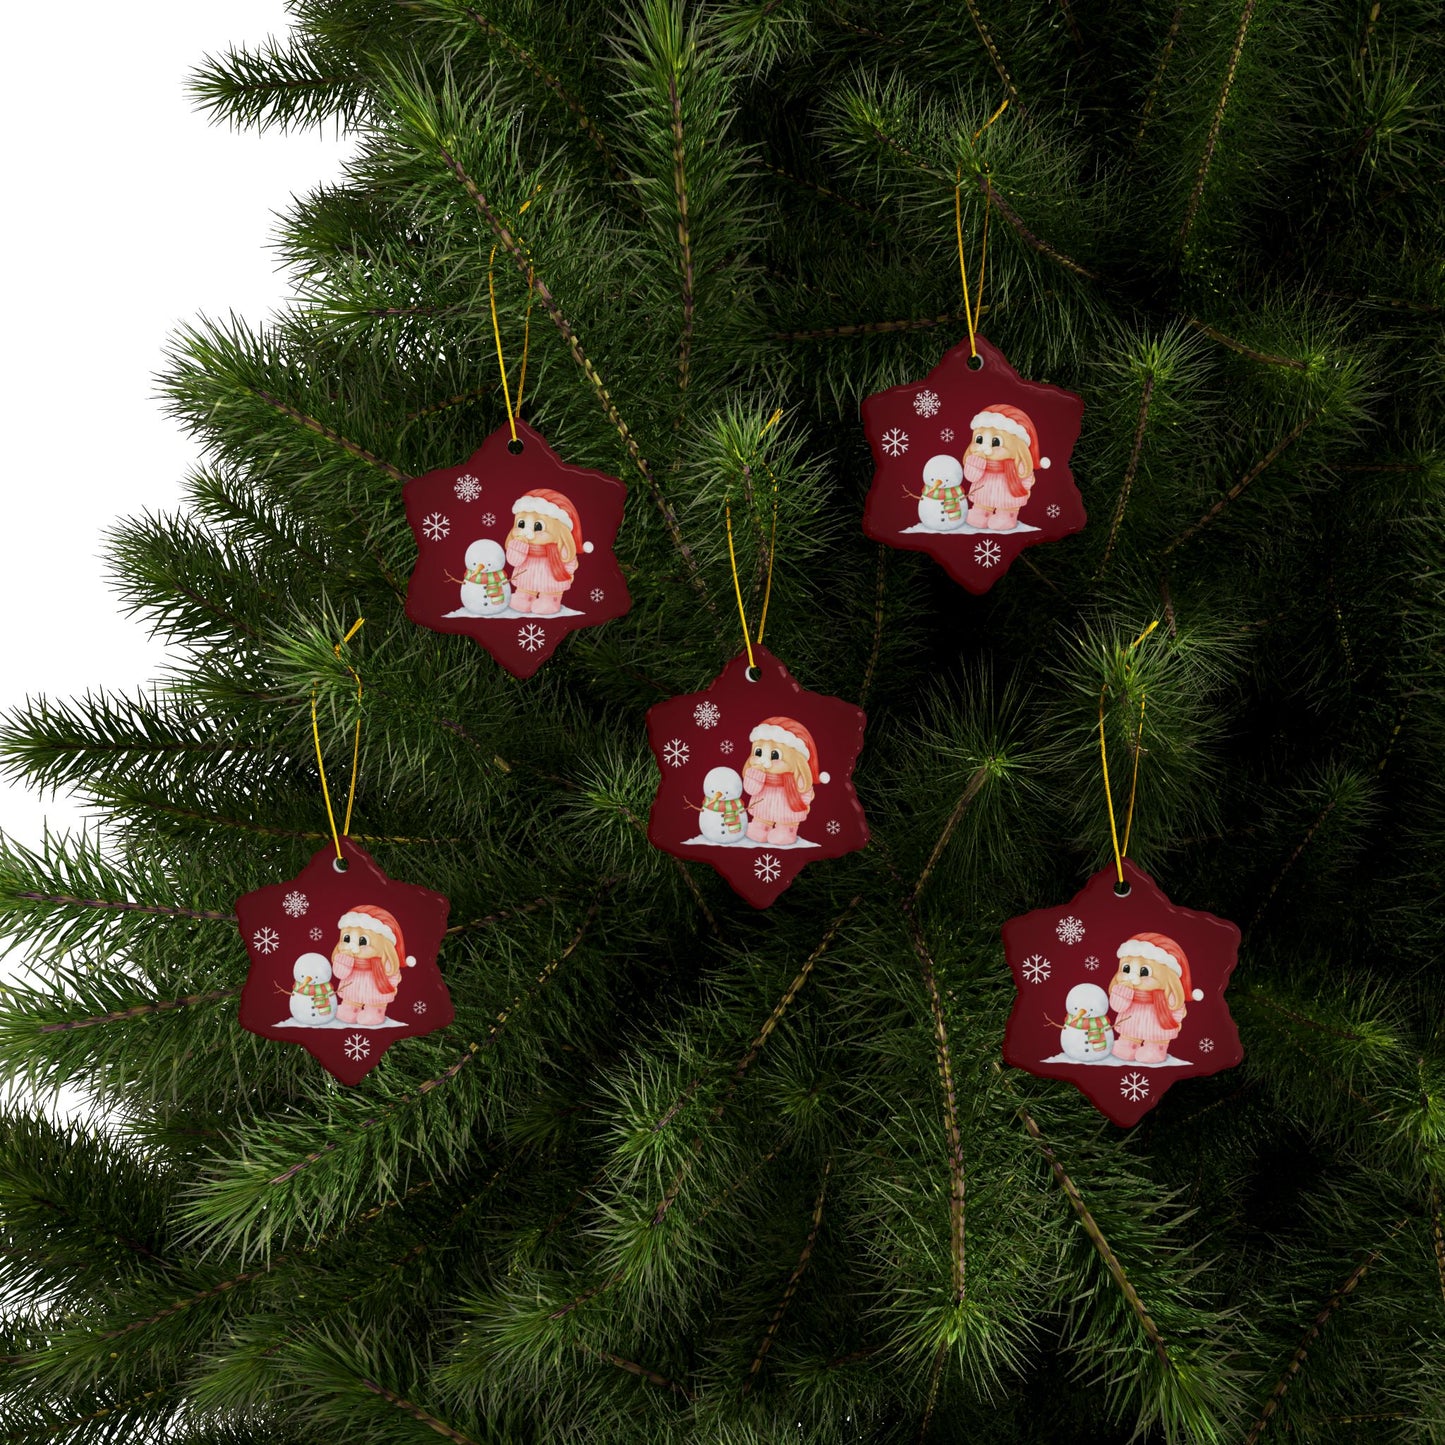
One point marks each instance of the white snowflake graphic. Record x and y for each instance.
(597, 594)
(834, 827)
(267, 940)
(419, 1006)
(434, 526)
(895, 441)
(1134, 1087)
(1070, 930)
(296, 903)
(1091, 962)
(1206, 1046)
(706, 714)
(468, 488)
(767, 868)
(1053, 509)
(1037, 968)
(946, 435)
(489, 519)
(726, 746)
(987, 553)
(675, 753)
(531, 637)
(926, 403)
(358, 1046)
(317, 935)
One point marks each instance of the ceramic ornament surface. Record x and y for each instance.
(1123, 997)
(972, 466)
(344, 964)
(515, 549)
(757, 777)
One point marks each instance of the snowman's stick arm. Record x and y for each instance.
(1067, 1025)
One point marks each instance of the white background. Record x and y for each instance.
(129, 213)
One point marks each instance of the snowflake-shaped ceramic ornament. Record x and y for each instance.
(515, 548)
(353, 972)
(995, 481)
(756, 777)
(1121, 995)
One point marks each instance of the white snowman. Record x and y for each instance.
(312, 999)
(723, 818)
(485, 589)
(943, 506)
(1086, 1034)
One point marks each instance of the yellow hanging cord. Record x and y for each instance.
(970, 312)
(527, 322)
(526, 337)
(512, 412)
(497, 333)
(737, 585)
(1121, 853)
(772, 421)
(355, 749)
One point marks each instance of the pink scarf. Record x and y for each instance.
(1155, 999)
(377, 969)
(757, 779)
(975, 468)
(553, 554)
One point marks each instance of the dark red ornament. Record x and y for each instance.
(1122, 996)
(757, 777)
(344, 964)
(514, 548)
(973, 465)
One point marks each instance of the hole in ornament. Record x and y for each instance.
(340, 864)
(1122, 890)
(975, 363)
(516, 446)
(752, 673)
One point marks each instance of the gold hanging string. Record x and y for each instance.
(971, 312)
(526, 335)
(512, 412)
(737, 585)
(1120, 853)
(355, 749)
(772, 421)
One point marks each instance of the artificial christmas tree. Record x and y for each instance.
(679, 1170)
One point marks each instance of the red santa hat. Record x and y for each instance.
(1017, 423)
(1160, 949)
(377, 920)
(792, 734)
(558, 507)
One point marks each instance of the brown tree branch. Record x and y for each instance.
(351, 448)
(1129, 472)
(1247, 480)
(1212, 140)
(1096, 1238)
(792, 1285)
(1297, 1360)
